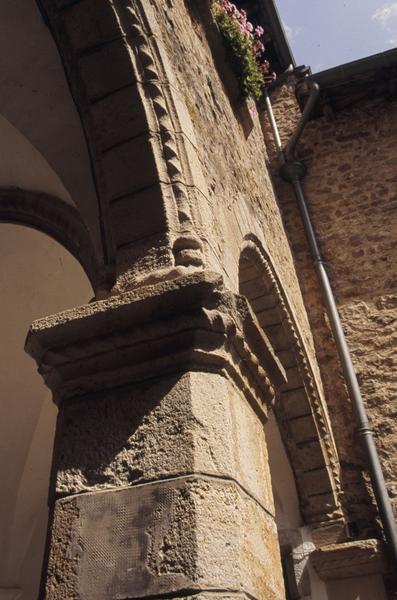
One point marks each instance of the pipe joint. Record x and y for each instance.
(293, 170)
(365, 431)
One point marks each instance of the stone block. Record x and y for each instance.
(120, 116)
(142, 259)
(350, 559)
(141, 215)
(106, 69)
(294, 378)
(318, 507)
(268, 316)
(279, 338)
(91, 23)
(133, 166)
(316, 482)
(310, 455)
(303, 429)
(295, 403)
(163, 538)
(195, 423)
(229, 437)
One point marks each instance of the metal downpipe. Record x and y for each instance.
(293, 171)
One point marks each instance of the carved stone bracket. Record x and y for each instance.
(352, 559)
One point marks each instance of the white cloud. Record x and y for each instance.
(291, 32)
(392, 42)
(387, 13)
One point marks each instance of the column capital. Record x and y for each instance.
(190, 323)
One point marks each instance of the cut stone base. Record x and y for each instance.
(185, 534)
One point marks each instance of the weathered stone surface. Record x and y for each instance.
(146, 416)
(352, 559)
(61, 574)
(191, 533)
(159, 108)
(240, 199)
(152, 410)
(120, 116)
(106, 69)
(195, 423)
(143, 209)
(91, 23)
(351, 191)
(132, 166)
(198, 325)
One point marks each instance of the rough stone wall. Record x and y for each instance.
(230, 146)
(237, 196)
(351, 188)
(353, 195)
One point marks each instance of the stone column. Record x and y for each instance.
(160, 483)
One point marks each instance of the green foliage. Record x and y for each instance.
(244, 48)
(241, 56)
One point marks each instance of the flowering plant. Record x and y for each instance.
(243, 42)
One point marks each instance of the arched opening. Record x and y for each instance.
(40, 126)
(38, 277)
(303, 461)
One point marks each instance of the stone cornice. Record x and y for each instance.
(351, 559)
(191, 323)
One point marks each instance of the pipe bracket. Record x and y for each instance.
(294, 170)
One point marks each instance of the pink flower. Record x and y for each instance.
(249, 26)
(265, 66)
(259, 31)
(243, 15)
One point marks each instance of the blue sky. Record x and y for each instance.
(326, 33)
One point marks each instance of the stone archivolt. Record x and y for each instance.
(57, 219)
(299, 407)
(144, 160)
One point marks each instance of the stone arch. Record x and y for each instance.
(299, 408)
(56, 218)
(135, 125)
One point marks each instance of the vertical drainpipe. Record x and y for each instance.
(293, 171)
